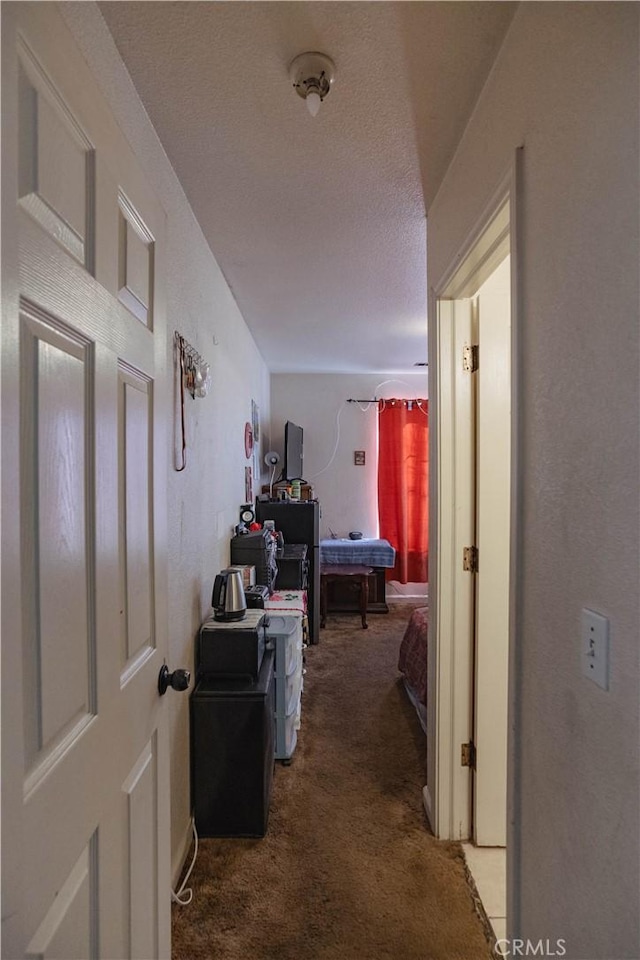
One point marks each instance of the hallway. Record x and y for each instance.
(349, 869)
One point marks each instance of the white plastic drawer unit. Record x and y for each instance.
(287, 735)
(285, 633)
(288, 691)
(291, 659)
(286, 731)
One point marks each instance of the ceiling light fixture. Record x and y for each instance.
(312, 75)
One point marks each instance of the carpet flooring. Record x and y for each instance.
(349, 869)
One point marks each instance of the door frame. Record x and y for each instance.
(492, 416)
(447, 795)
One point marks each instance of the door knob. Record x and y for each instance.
(178, 680)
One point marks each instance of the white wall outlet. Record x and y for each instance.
(595, 648)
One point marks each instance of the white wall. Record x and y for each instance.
(317, 402)
(205, 498)
(565, 86)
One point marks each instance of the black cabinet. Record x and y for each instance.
(233, 753)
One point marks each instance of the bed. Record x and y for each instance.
(412, 662)
(367, 552)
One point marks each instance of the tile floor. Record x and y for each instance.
(488, 867)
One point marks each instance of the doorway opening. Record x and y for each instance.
(474, 550)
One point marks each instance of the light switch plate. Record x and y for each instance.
(595, 648)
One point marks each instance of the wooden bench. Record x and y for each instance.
(352, 574)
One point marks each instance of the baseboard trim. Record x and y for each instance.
(179, 859)
(412, 597)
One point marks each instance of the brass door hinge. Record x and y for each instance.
(470, 559)
(470, 358)
(468, 755)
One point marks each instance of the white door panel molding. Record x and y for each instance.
(85, 733)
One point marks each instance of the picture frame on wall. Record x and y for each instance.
(256, 466)
(248, 484)
(255, 425)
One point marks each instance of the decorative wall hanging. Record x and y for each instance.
(248, 440)
(194, 376)
(196, 373)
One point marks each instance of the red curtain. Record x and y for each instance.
(403, 485)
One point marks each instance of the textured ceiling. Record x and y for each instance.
(317, 223)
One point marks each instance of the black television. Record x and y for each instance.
(293, 452)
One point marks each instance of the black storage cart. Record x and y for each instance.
(293, 567)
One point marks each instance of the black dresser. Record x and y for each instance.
(232, 730)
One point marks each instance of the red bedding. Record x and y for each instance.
(412, 660)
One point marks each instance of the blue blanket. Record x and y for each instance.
(369, 552)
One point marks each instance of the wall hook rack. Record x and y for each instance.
(195, 377)
(194, 368)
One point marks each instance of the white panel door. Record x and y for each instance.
(493, 381)
(85, 749)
